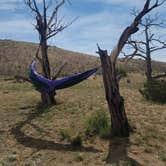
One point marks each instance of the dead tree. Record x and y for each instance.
(119, 123)
(151, 44)
(47, 26)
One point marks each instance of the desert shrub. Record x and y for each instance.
(76, 141)
(154, 90)
(64, 135)
(104, 132)
(128, 81)
(162, 155)
(79, 157)
(98, 124)
(119, 70)
(122, 71)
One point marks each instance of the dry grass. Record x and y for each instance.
(29, 137)
(15, 58)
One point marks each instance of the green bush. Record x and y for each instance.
(76, 141)
(122, 71)
(154, 90)
(98, 124)
(104, 132)
(79, 157)
(162, 155)
(64, 135)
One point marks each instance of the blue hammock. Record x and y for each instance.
(45, 85)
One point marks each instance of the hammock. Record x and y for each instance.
(45, 85)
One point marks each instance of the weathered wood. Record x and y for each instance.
(46, 29)
(159, 76)
(148, 56)
(119, 122)
(47, 98)
(144, 49)
(57, 73)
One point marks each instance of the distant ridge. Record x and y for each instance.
(15, 58)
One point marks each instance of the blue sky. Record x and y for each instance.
(100, 21)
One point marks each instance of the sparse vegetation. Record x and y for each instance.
(154, 90)
(98, 124)
(146, 143)
(15, 52)
(78, 157)
(121, 71)
(162, 156)
(76, 141)
(64, 135)
(73, 131)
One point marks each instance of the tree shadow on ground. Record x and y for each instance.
(41, 144)
(118, 153)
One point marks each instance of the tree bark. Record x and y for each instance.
(148, 56)
(47, 98)
(148, 67)
(119, 123)
(47, 27)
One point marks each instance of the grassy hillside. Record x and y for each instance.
(15, 58)
(29, 137)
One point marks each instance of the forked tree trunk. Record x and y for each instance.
(47, 26)
(119, 123)
(47, 98)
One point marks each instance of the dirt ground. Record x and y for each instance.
(30, 136)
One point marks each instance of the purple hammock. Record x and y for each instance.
(45, 85)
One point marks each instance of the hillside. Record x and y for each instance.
(31, 136)
(15, 58)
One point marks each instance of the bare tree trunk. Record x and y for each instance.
(148, 68)
(47, 26)
(47, 98)
(148, 56)
(119, 123)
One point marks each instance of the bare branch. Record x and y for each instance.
(160, 76)
(59, 71)
(37, 54)
(33, 6)
(150, 21)
(156, 48)
(19, 78)
(144, 48)
(60, 28)
(119, 77)
(133, 28)
(137, 50)
(55, 11)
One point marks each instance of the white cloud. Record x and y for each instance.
(10, 4)
(13, 4)
(130, 3)
(18, 29)
(104, 28)
(16, 26)
(83, 35)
